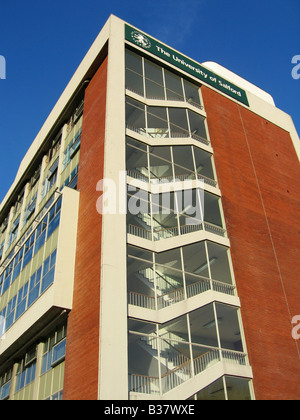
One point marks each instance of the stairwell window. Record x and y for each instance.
(183, 347)
(159, 164)
(164, 122)
(158, 280)
(149, 79)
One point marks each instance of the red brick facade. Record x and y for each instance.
(258, 173)
(82, 353)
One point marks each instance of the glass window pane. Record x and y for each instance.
(176, 329)
(59, 351)
(218, 261)
(237, 388)
(169, 285)
(165, 226)
(136, 144)
(188, 204)
(229, 329)
(139, 253)
(169, 258)
(213, 392)
(47, 280)
(194, 258)
(134, 72)
(175, 363)
(138, 217)
(154, 81)
(191, 93)
(135, 115)
(134, 82)
(196, 284)
(134, 62)
(160, 170)
(136, 163)
(163, 152)
(183, 161)
(165, 223)
(173, 86)
(140, 283)
(157, 122)
(203, 163)
(203, 326)
(142, 327)
(211, 209)
(197, 125)
(143, 364)
(204, 357)
(178, 122)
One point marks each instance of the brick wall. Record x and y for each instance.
(259, 172)
(82, 353)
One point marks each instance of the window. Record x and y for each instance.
(34, 286)
(5, 382)
(58, 396)
(30, 209)
(157, 280)
(135, 116)
(174, 88)
(58, 353)
(39, 281)
(14, 231)
(162, 122)
(26, 370)
(40, 234)
(185, 162)
(48, 271)
(171, 214)
(134, 72)
(72, 149)
(50, 180)
(10, 312)
(21, 300)
(225, 388)
(30, 246)
(54, 349)
(54, 218)
(153, 81)
(28, 250)
(183, 347)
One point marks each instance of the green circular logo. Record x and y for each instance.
(140, 39)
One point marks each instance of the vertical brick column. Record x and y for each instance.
(258, 172)
(82, 353)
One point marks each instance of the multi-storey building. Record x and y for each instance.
(149, 244)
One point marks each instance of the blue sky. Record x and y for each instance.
(43, 43)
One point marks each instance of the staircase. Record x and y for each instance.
(168, 289)
(179, 368)
(174, 365)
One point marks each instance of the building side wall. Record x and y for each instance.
(258, 173)
(81, 374)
